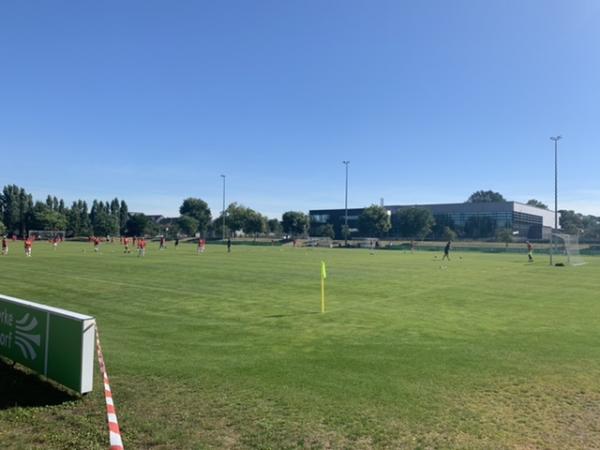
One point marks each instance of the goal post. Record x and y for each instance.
(566, 247)
(46, 235)
(319, 242)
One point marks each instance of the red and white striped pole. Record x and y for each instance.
(116, 442)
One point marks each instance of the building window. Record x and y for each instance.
(319, 218)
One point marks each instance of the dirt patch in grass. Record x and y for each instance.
(540, 414)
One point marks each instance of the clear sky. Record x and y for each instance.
(151, 101)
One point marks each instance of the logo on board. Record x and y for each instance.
(22, 333)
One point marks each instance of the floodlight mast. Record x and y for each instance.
(555, 139)
(346, 207)
(223, 211)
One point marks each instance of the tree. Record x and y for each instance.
(504, 235)
(73, 220)
(294, 223)
(254, 223)
(9, 206)
(236, 216)
(46, 218)
(275, 227)
(137, 225)
(216, 227)
(325, 230)
(374, 221)
(199, 210)
(448, 234)
(591, 227)
(105, 224)
(85, 221)
(188, 225)
(570, 222)
(2, 228)
(477, 227)
(414, 223)
(443, 222)
(16, 206)
(537, 203)
(123, 217)
(25, 209)
(485, 197)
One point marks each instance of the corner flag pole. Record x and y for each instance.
(323, 276)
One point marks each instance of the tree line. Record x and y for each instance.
(20, 213)
(195, 217)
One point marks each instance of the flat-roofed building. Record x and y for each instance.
(524, 220)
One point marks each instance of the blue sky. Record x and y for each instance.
(151, 101)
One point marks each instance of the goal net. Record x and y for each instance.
(46, 235)
(567, 245)
(318, 242)
(365, 242)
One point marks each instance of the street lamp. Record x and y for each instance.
(346, 207)
(555, 139)
(223, 211)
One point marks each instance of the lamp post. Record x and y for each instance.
(555, 139)
(223, 211)
(346, 207)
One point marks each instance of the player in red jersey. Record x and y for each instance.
(4, 246)
(126, 244)
(28, 244)
(96, 242)
(141, 247)
(201, 246)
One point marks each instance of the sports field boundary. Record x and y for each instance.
(116, 442)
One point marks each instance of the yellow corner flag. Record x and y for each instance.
(323, 277)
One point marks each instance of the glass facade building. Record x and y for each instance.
(524, 220)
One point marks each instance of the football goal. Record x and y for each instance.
(567, 247)
(365, 242)
(319, 242)
(46, 235)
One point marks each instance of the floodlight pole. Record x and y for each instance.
(346, 207)
(555, 139)
(223, 213)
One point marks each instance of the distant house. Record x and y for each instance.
(167, 221)
(156, 218)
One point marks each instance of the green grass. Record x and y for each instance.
(229, 350)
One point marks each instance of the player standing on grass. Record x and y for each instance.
(228, 245)
(447, 251)
(28, 244)
(96, 242)
(141, 247)
(4, 246)
(162, 243)
(529, 251)
(126, 244)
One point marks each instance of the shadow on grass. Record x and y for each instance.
(20, 387)
(280, 316)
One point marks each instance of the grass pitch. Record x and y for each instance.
(230, 351)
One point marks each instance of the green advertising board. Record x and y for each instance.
(54, 342)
